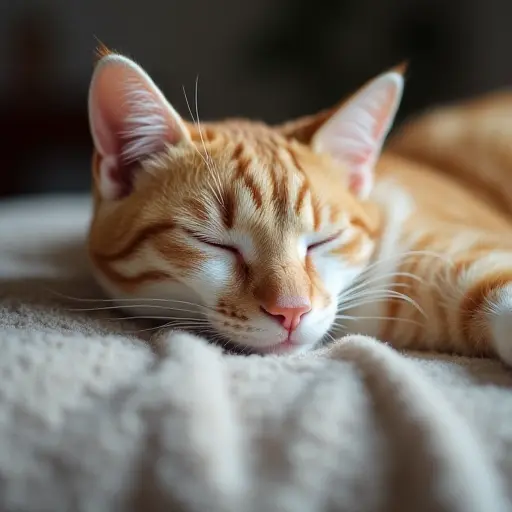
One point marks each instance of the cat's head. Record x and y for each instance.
(250, 231)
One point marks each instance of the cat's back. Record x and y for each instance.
(456, 163)
(439, 198)
(459, 158)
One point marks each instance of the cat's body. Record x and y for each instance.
(264, 236)
(437, 231)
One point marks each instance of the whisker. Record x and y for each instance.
(378, 277)
(331, 337)
(357, 290)
(394, 318)
(399, 258)
(122, 319)
(172, 324)
(149, 299)
(357, 285)
(215, 337)
(358, 303)
(215, 174)
(125, 306)
(389, 294)
(355, 294)
(369, 294)
(206, 159)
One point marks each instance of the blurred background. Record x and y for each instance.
(268, 59)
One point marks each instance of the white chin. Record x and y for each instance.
(302, 340)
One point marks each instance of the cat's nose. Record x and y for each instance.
(288, 311)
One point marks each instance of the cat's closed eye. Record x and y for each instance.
(324, 241)
(212, 243)
(234, 250)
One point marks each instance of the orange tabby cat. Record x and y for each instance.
(273, 237)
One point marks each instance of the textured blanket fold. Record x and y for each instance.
(94, 417)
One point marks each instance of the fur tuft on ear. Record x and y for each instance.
(401, 68)
(102, 51)
(130, 120)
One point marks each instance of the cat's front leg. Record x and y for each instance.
(459, 302)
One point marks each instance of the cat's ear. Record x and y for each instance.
(355, 133)
(130, 120)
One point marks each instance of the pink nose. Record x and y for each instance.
(288, 311)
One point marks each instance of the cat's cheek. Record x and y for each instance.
(336, 275)
(214, 275)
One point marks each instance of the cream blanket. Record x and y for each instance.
(92, 418)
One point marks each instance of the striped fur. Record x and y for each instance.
(223, 223)
(254, 189)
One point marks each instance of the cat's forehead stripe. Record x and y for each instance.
(264, 173)
(227, 209)
(301, 196)
(269, 168)
(254, 190)
(316, 211)
(242, 173)
(241, 159)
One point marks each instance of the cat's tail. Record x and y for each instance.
(472, 141)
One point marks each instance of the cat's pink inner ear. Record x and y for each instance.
(130, 120)
(354, 135)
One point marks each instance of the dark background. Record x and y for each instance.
(270, 59)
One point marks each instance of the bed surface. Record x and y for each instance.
(94, 418)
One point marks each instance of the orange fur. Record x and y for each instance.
(451, 255)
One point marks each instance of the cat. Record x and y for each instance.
(276, 238)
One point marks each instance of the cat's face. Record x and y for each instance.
(250, 232)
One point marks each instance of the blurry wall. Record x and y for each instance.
(270, 59)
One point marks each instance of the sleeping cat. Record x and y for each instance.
(277, 237)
